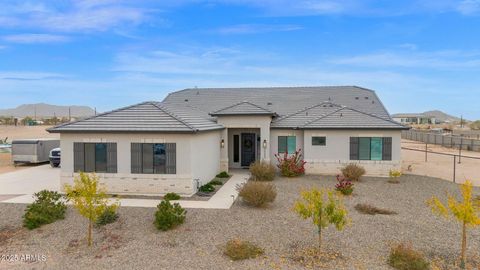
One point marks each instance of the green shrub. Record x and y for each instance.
(48, 207)
(216, 182)
(207, 188)
(223, 175)
(353, 172)
(257, 194)
(404, 257)
(171, 196)
(262, 171)
(108, 216)
(169, 216)
(237, 249)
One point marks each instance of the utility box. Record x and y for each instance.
(33, 150)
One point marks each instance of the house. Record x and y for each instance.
(185, 140)
(414, 118)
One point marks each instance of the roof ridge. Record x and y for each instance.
(98, 115)
(176, 117)
(376, 116)
(242, 102)
(322, 116)
(306, 108)
(355, 110)
(270, 87)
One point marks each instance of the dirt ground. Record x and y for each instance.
(20, 132)
(440, 166)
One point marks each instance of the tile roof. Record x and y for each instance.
(243, 108)
(193, 110)
(143, 117)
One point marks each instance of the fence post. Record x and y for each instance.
(426, 149)
(460, 151)
(454, 167)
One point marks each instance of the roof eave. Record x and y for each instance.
(134, 131)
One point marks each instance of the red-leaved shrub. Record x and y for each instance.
(291, 165)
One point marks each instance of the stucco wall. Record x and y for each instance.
(335, 154)
(197, 158)
(205, 156)
(274, 133)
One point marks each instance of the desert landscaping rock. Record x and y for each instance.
(133, 242)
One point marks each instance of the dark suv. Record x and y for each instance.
(55, 157)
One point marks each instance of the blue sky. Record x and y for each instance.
(418, 55)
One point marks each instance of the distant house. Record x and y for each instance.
(185, 140)
(414, 118)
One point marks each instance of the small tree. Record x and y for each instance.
(464, 211)
(324, 207)
(89, 199)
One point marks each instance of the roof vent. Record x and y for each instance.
(357, 98)
(186, 100)
(341, 114)
(269, 103)
(331, 105)
(329, 98)
(366, 97)
(306, 113)
(373, 101)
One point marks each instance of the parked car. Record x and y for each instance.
(55, 157)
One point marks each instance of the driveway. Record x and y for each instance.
(28, 181)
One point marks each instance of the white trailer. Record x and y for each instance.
(33, 150)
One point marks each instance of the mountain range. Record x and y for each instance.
(47, 110)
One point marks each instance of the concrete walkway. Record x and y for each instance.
(18, 187)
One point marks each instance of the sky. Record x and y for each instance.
(417, 55)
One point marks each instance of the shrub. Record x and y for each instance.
(223, 175)
(404, 257)
(216, 182)
(108, 216)
(207, 188)
(292, 165)
(353, 172)
(48, 207)
(344, 186)
(394, 174)
(372, 210)
(257, 194)
(262, 171)
(171, 196)
(237, 249)
(169, 216)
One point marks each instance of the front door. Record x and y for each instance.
(248, 149)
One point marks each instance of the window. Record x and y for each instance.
(95, 157)
(319, 141)
(287, 144)
(236, 148)
(153, 158)
(370, 148)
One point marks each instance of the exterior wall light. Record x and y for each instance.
(265, 143)
(222, 143)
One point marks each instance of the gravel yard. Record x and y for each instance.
(133, 242)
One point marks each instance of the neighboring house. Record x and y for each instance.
(185, 140)
(414, 118)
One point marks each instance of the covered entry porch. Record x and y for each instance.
(244, 141)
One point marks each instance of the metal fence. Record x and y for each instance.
(451, 141)
(453, 161)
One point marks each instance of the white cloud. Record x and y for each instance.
(438, 59)
(256, 28)
(30, 75)
(83, 16)
(35, 38)
(469, 7)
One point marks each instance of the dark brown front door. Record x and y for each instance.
(248, 149)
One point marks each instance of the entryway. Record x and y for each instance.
(248, 147)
